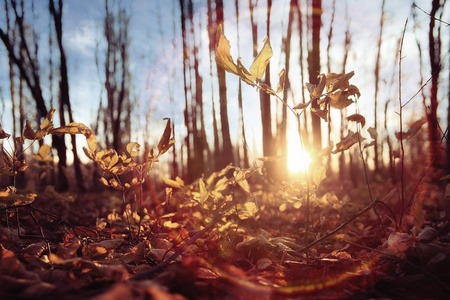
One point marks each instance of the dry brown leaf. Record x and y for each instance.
(259, 65)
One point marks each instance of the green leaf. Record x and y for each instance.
(259, 65)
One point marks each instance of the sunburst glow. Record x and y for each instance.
(298, 160)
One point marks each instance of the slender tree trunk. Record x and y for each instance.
(314, 68)
(28, 67)
(244, 161)
(330, 35)
(448, 115)
(212, 44)
(434, 43)
(64, 89)
(304, 132)
(266, 112)
(377, 78)
(343, 112)
(227, 149)
(287, 58)
(187, 114)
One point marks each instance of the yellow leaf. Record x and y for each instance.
(259, 65)
(280, 85)
(244, 74)
(302, 105)
(166, 142)
(104, 181)
(319, 173)
(266, 89)
(78, 128)
(172, 183)
(47, 124)
(133, 149)
(223, 55)
(44, 150)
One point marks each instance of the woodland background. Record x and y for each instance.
(167, 69)
(221, 215)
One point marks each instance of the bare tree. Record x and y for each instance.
(227, 148)
(117, 77)
(24, 57)
(377, 79)
(212, 45)
(434, 43)
(64, 97)
(314, 67)
(244, 161)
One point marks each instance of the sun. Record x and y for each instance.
(298, 160)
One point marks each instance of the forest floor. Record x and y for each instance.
(248, 246)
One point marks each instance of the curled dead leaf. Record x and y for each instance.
(358, 119)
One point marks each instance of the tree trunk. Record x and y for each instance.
(314, 68)
(266, 112)
(242, 161)
(64, 95)
(28, 67)
(227, 149)
(377, 78)
(434, 43)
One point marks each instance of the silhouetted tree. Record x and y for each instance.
(25, 59)
(64, 98)
(227, 148)
(377, 79)
(314, 67)
(434, 44)
(117, 78)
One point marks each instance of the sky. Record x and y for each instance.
(156, 59)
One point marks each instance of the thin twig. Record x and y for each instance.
(415, 5)
(421, 88)
(443, 284)
(402, 149)
(179, 251)
(343, 225)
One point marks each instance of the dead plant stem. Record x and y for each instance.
(402, 149)
(343, 225)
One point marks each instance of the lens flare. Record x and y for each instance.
(298, 161)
